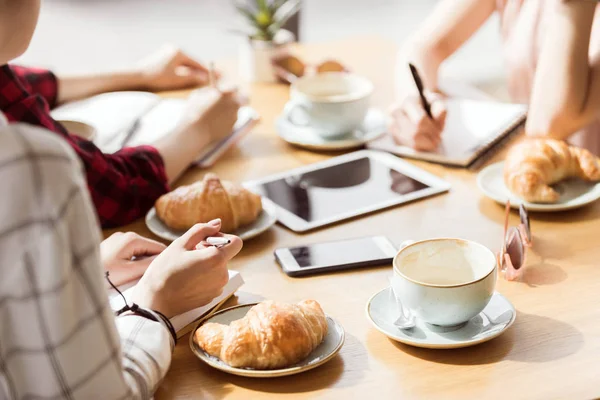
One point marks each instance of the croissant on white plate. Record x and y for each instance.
(534, 164)
(206, 200)
(271, 335)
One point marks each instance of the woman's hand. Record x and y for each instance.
(172, 69)
(187, 274)
(210, 116)
(211, 113)
(126, 256)
(411, 126)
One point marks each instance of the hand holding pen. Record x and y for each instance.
(418, 120)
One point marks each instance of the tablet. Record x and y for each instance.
(344, 187)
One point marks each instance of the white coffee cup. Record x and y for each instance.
(331, 103)
(444, 282)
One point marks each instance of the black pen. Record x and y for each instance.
(419, 83)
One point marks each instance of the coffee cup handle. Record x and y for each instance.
(291, 111)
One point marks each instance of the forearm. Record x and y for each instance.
(78, 87)
(179, 149)
(450, 25)
(561, 100)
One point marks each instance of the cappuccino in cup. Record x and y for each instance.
(445, 282)
(332, 103)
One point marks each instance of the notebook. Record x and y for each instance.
(136, 118)
(474, 129)
(184, 323)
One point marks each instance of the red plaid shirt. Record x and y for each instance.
(123, 185)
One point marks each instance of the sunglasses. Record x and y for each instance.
(288, 68)
(515, 242)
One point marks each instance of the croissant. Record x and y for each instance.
(271, 335)
(206, 200)
(535, 164)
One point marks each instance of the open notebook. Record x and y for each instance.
(135, 118)
(183, 323)
(474, 129)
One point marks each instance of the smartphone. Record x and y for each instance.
(335, 256)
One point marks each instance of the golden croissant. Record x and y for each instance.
(271, 335)
(535, 164)
(206, 200)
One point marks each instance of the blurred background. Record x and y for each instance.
(93, 35)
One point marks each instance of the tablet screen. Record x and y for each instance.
(339, 189)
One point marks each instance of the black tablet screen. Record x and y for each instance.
(340, 189)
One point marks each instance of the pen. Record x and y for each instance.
(419, 83)
(217, 241)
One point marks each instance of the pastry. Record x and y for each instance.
(535, 164)
(206, 200)
(271, 335)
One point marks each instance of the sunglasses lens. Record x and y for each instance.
(525, 221)
(515, 248)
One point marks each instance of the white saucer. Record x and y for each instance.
(331, 345)
(574, 193)
(265, 220)
(374, 125)
(494, 320)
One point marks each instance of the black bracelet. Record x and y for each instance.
(145, 313)
(170, 326)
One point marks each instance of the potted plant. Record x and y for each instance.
(264, 36)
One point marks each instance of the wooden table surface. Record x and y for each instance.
(552, 350)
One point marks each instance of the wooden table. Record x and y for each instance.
(552, 350)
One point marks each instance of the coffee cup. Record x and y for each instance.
(331, 103)
(444, 282)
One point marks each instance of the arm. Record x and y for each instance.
(168, 69)
(67, 344)
(450, 25)
(566, 90)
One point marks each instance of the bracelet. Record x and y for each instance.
(145, 313)
(152, 315)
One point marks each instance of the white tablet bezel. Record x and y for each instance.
(297, 224)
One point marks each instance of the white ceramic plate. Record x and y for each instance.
(265, 220)
(330, 346)
(573, 193)
(375, 125)
(494, 320)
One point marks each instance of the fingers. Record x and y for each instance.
(198, 233)
(182, 58)
(141, 246)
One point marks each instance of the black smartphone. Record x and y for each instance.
(333, 256)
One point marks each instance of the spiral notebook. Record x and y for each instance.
(474, 130)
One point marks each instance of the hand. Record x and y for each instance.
(171, 69)
(411, 126)
(126, 256)
(211, 113)
(188, 274)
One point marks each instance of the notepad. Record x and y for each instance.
(136, 118)
(473, 128)
(183, 323)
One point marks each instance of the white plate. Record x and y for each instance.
(574, 193)
(494, 320)
(331, 345)
(265, 220)
(375, 125)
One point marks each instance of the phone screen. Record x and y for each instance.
(352, 251)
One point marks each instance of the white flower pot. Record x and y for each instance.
(255, 57)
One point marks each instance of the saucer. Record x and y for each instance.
(329, 347)
(494, 320)
(265, 220)
(574, 193)
(374, 125)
